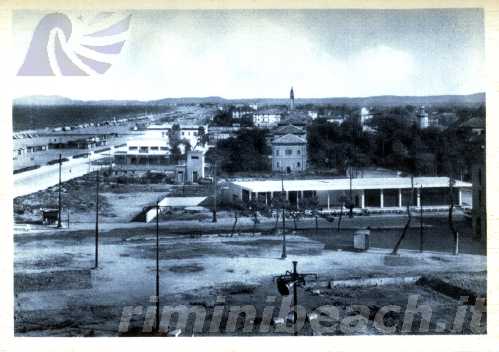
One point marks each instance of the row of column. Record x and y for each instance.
(252, 196)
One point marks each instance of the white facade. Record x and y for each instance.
(266, 120)
(237, 114)
(423, 118)
(312, 114)
(336, 120)
(193, 168)
(189, 133)
(289, 154)
(365, 116)
(143, 154)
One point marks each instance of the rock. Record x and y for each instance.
(175, 333)
(89, 333)
(312, 316)
(323, 284)
(277, 321)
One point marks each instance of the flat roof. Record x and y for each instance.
(147, 142)
(340, 184)
(182, 201)
(182, 126)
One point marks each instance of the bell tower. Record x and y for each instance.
(291, 99)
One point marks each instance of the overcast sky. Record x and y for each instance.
(250, 54)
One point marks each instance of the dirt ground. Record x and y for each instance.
(59, 294)
(117, 202)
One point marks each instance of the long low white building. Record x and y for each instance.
(365, 192)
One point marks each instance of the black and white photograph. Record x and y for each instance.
(249, 172)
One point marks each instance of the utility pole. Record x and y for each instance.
(421, 219)
(283, 255)
(59, 224)
(157, 266)
(350, 174)
(214, 193)
(295, 299)
(97, 221)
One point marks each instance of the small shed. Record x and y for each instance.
(49, 215)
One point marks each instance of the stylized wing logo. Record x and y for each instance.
(56, 51)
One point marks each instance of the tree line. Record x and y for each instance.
(393, 141)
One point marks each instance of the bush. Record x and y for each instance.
(56, 161)
(27, 168)
(83, 155)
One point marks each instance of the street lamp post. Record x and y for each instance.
(421, 239)
(157, 318)
(59, 224)
(214, 193)
(283, 255)
(292, 280)
(157, 266)
(97, 221)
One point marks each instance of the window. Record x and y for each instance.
(289, 152)
(164, 148)
(132, 148)
(194, 157)
(154, 148)
(277, 152)
(278, 166)
(298, 164)
(298, 152)
(143, 149)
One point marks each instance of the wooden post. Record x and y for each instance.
(157, 266)
(59, 224)
(421, 219)
(214, 219)
(97, 221)
(283, 254)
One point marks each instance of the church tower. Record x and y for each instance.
(291, 99)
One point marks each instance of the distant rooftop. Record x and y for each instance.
(169, 125)
(474, 122)
(289, 129)
(289, 139)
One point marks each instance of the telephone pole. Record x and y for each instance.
(59, 224)
(295, 300)
(283, 255)
(421, 219)
(157, 266)
(97, 221)
(214, 193)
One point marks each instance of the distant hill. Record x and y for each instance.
(383, 100)
(36, 112)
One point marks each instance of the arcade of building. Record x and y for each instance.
(392, 192)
